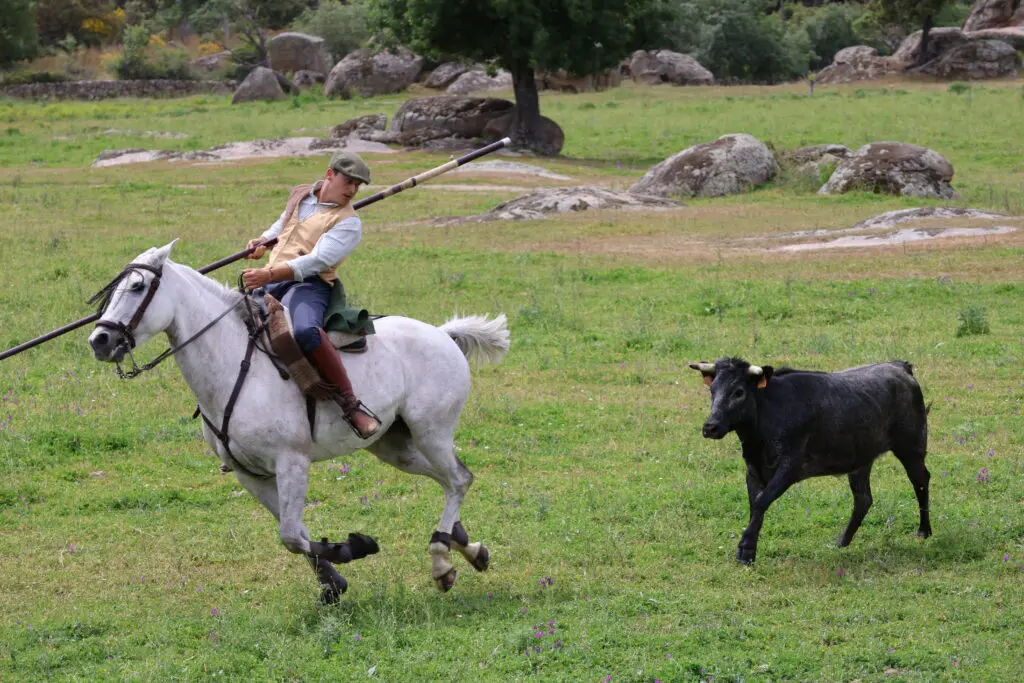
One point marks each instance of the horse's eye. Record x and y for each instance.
(137, 287)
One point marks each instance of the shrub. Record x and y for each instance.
(140, 60)
(344, 28)
(958, 87)
(25, 77)
(829, 31)
(972, 321)
(740, 44)
(18, 38)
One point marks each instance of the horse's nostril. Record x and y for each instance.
(101, 339)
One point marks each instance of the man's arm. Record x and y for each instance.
(330, 249)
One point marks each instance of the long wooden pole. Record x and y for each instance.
(373, 199)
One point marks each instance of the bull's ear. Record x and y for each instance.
(765, 376)
(707, 370)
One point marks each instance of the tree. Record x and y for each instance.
(580, 36)
(918, 12)
(18, 38)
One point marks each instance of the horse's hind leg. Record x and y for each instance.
(433, 455)
(332, 584)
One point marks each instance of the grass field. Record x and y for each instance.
(612, 524)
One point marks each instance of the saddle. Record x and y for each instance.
(278, 329)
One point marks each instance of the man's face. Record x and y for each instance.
(338, 188)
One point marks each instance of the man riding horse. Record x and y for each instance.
(316, 231)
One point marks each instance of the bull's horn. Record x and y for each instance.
(703, 367)
(756, 371)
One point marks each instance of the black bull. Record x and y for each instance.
(795, 424)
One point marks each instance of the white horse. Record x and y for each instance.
(414, 376)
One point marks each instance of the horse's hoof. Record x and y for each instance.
(745, 556)
(482, 559)
(446, 581)
(362, 545)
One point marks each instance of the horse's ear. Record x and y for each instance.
(163, 252)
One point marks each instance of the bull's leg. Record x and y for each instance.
(860, 485)
(332, 584)
(913, 463)
(783, 478)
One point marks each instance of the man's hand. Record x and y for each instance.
(254, 278)
(258, 250)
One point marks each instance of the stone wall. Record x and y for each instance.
(102, 90)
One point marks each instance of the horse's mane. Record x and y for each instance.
(208, 285)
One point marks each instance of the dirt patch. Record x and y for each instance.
(510, 167)
(234, 151)
(901, 236)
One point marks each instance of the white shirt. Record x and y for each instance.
(330, 249)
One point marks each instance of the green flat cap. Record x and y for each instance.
(352, 165)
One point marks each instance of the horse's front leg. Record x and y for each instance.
(332, 584)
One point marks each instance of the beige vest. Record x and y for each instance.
(298, 238)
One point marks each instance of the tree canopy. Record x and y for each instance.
(579, 36)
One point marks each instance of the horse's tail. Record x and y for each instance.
(478, 337)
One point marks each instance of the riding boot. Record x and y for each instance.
(327, 361)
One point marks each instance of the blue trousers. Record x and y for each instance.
(307, 302)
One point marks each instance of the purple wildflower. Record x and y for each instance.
(358, 637)
(214, 611)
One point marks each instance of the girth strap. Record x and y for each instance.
(222, 433)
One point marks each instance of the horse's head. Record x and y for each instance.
(133, 308)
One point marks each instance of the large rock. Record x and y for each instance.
(543, 203)
(212, 62)
(372, 74)
(939, 40)
(479, 81)
(292, 51)
(893, 168)
(813, 160)
(994, 14)
(443, 116)
(548, 140)
(728, 165)
(654, 67)
(362, 126)
(445, 74)
(305, 78)
(975, 59)
(562, 81)
(261, 84)
(856, 63)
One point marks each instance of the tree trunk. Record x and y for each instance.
(922, 55)
(525, 128)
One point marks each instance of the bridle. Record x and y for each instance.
(128, 331)
(105, 294)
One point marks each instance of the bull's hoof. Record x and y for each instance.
(362, 545)
(482, 560)
(446, 581)
(924, 533)
(329, 595)
(745, 555)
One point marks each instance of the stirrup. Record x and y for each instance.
(360, 406)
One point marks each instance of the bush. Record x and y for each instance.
(829, 31)
(139, 61)
(26, 77)
(344, 28)
(740, 44)
(18, 38)
(972, 321)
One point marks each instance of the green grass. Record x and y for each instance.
(124, 555)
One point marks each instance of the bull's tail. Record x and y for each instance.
(479, 337)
